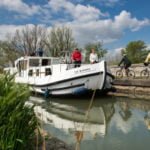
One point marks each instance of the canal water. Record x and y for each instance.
(110, 124)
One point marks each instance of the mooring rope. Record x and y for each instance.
(77, 147)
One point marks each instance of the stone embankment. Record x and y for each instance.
(134, 88)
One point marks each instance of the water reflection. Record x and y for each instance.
(125, 111)
(113, 123)
(70, 119)
(147, 120)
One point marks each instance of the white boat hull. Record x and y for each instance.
(77, 85)
(74, 86)
(64, 79)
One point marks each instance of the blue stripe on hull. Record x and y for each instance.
(80, 91)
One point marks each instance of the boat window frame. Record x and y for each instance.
(48, 72)
(55, 61)
(37, 63)
(37, 72)
(22, 65)
(30, 74)
(48, 62)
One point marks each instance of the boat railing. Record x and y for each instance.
(70, 66)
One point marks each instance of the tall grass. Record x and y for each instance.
(17, 122)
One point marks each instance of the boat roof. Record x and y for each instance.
(36, 57)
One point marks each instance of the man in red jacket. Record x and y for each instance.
(76, 57)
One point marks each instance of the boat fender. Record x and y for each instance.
(80, 91)
(46, 93)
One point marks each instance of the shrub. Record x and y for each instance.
(17, 122)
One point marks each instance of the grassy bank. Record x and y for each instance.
(19, 127)
(17, 122)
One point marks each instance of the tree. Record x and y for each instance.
(29, 39)
(136, 51)
(98, 49)
(8, 53)
(60, 39)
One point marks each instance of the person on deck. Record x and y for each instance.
(40, 52)
(93, 56)
(76, 57)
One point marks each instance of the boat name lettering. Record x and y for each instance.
(83, 70)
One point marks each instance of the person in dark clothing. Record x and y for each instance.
(126, 63)
(40, 52)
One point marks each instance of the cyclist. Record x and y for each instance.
(126, 62)
(147, 60)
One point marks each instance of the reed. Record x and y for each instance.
(17, 122)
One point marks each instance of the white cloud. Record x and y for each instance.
(78, 12)
(106, 30)
(19, 6)
(148, 46)
(85, 13)
(11, 29)
(127, 126)
(89, 24)
(111, 2)
(114, 55)
(56, 5)
(8, 29)
(125, 20)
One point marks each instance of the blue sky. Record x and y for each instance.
(114, 22)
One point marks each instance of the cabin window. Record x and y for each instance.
(37, 72)
(30, 72)
(55, 61)
(34, 62)
(46, 62)
(22, 65)
(48, 71)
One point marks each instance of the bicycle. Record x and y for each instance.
(145, 73)
(120, 73)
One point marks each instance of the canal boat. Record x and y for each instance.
(55, 76)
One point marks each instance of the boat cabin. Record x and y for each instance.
(35, 66)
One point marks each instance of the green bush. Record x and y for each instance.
(17, 122)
